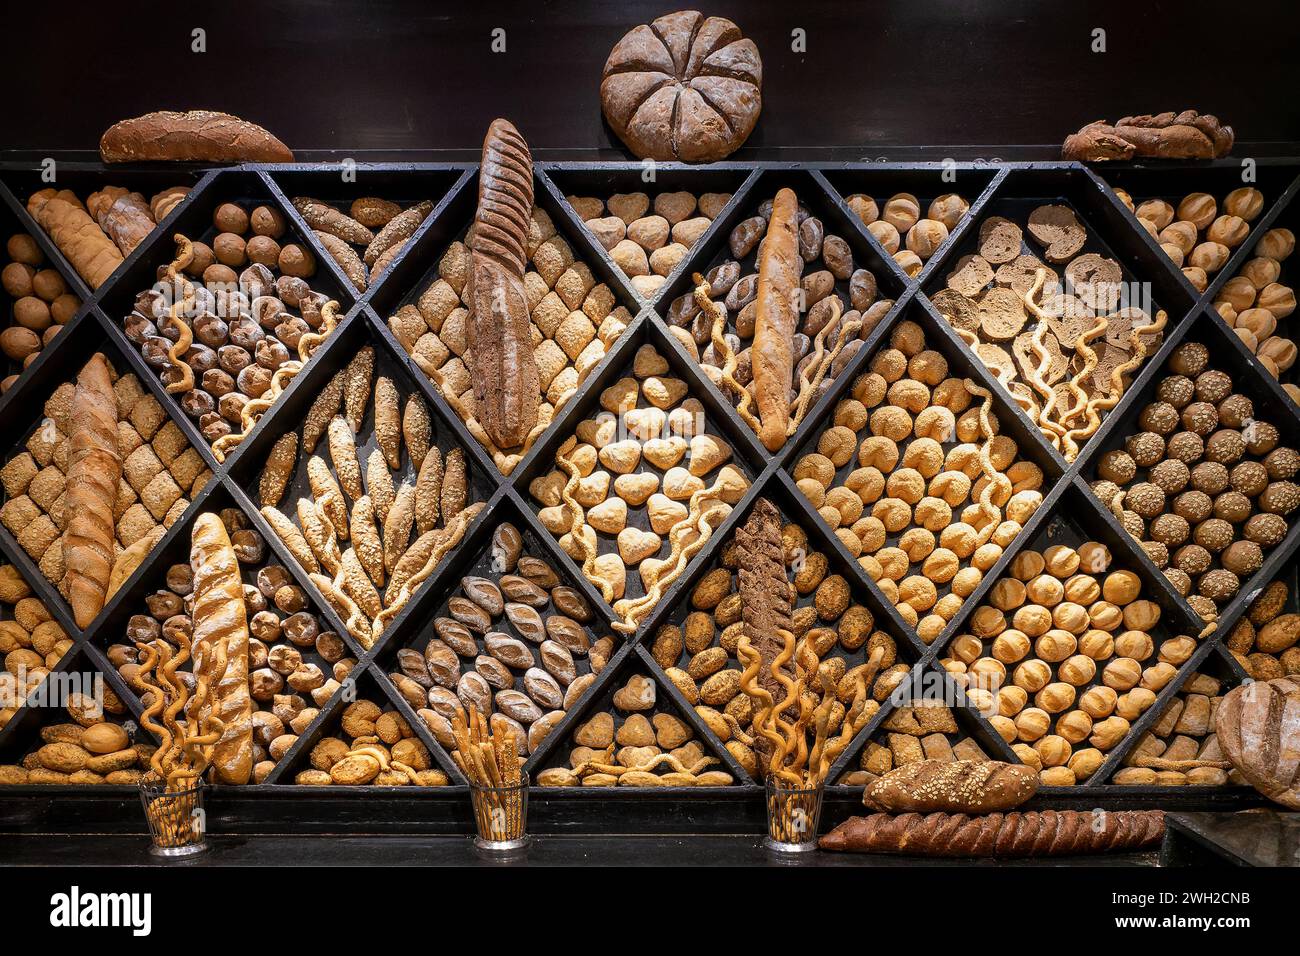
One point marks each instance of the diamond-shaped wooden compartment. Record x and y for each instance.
(866, 471)
(678, 446)
(1074, 648)
(694, 639)
(634, 733)
(659, 215)
(867, 283)
(581, 304)
(900, 205)
(162, 470)
(1237, 371)
(508, 631)
(239, 341)
(925, 717)
(1255, 292)
(1112, 273)
(324, 484)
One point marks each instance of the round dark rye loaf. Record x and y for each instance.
(199, 136)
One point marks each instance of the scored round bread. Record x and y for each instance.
(685, 87)
(1059, 231)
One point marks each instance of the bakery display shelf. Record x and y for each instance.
(1012, 422)
(18, 181)
(973, 182)
(746, 456)
(1275, 178)
(603, 180)
(247, 189)
(84, 337)
(281, 806)
(338, 184)
(1229, 354)
(1284, 214)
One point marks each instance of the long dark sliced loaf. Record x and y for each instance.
(506, 383)
(1049, 833)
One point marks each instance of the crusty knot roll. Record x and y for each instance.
(219, 615)
(94, 470)
(507, 390)
(776, 319)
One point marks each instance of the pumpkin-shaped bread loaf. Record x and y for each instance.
(685, 87)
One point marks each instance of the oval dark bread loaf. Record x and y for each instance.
(1049, 833)
(507, 388)
(198, 136)
(957, 786)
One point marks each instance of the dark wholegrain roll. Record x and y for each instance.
(193, 137)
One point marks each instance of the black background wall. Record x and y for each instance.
(362, 75)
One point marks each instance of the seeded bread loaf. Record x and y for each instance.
(954, 786)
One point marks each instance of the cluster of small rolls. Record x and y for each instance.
(1204, 485)
(699, 653)
(31, 641)
(1254, 301)
(1199, 234)
(901, 230)
(92, 749)
(635, 744)
(41, 304)
(373, 747)
(295, 662)
(1184, 733)
(648, 243)
(1063, 658)
(910, 509)
(1264, 641)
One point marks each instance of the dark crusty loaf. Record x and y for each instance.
(199, 136)
(1258, 727)
(506, 382)
(766, 596)
(955, 786)
(1185, 135)
(1049, 833)
(776, 319)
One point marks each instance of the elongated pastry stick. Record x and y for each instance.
(1104, 404)
(388, 422)
(279, 469)
(821, 363)
(702, 294)
(184, 336)
(293, 539)
(343, 452)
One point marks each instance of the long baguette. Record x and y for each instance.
(776, 319)
(507, 392)
(220, 615)
(94, 470)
